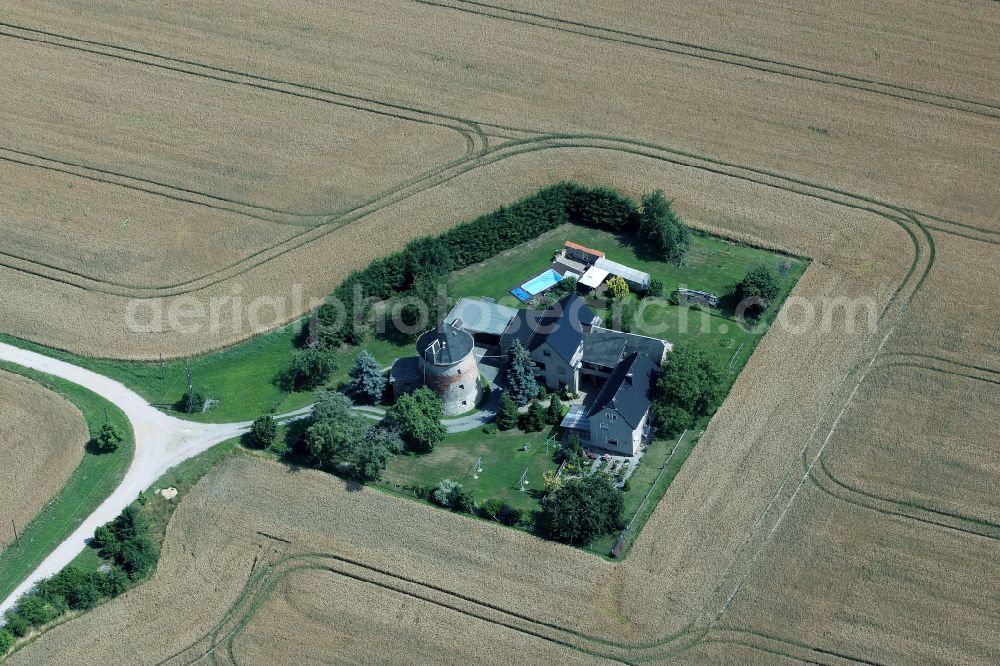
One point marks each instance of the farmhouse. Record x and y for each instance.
(554, 339)
(618, 418)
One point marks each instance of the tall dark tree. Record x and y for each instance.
(554, 413)
(660, 228)
(534, 420)
(581, 510)
(520, 375)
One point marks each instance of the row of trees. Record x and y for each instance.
(127, 544)
(425, 262)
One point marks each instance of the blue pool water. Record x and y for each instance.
(541, 282)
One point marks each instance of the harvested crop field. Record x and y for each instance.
(42, 436)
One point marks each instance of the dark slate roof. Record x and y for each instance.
(454, 344)
(629, 389)
(577, 310)
(561, 326)
(606, 347)
(520, 328)
(603, 350)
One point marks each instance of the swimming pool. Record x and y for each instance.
(540, 283)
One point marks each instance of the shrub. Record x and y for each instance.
(192, 402)
(490, 429)
(6, 641)
(617, 287)
(655, 288)
(452, 495)
(509, 515)
(17, 624)
(491, 508)
(263, 432)
(109, 438)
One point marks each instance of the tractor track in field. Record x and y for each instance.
(721, 56)
(444, 174)
(824, 477)
(782, 647)
(476, 140)
(478, 153)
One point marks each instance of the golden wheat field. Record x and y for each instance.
(42, 436)
(839, 509)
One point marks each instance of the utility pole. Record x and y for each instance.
(162, 377)
(16, 538)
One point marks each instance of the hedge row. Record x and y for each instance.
(424, 262)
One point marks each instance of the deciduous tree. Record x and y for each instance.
(263, 432)
(581, 510)
(417, 418)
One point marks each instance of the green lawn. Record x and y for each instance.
(711, 264)
(97, 475)
(243, 378)
(503, 463)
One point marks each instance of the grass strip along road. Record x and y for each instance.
(97, 475)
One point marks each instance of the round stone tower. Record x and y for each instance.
(448, 365)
